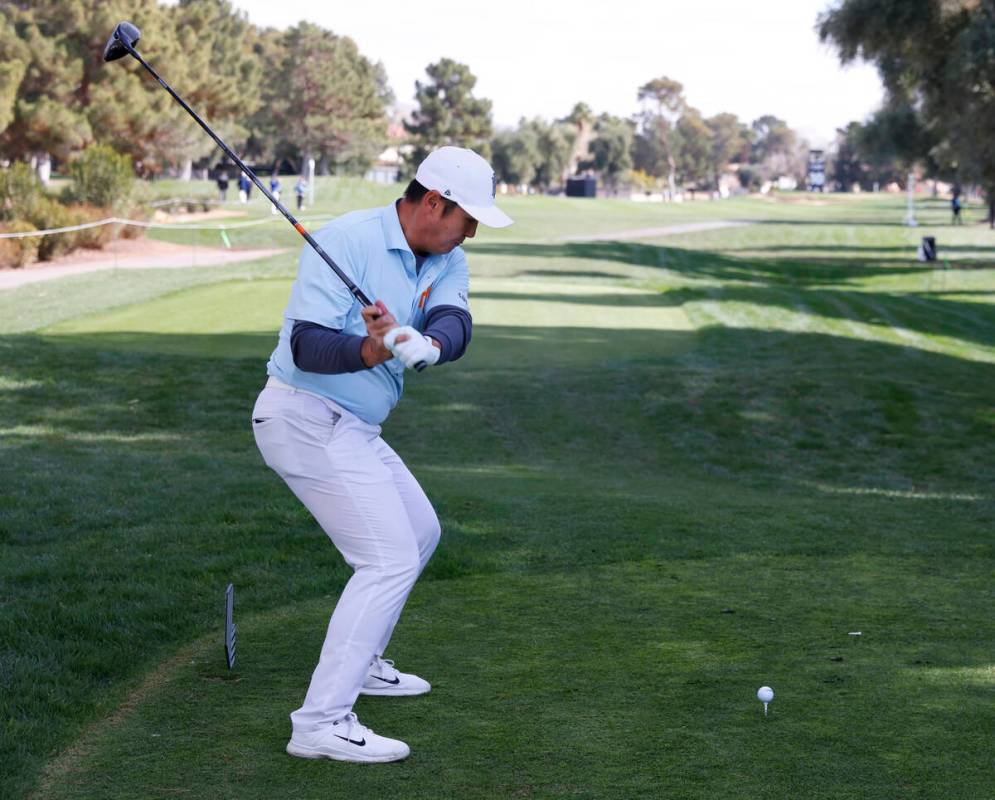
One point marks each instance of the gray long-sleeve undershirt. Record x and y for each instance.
(319, 349)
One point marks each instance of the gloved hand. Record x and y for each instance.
(415, 349)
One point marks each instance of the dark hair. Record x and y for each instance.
(415, 192)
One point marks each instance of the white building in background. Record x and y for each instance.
(387, 167)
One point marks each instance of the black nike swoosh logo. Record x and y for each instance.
(392, 683)
(353, 741)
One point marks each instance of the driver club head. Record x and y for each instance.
(125, 36)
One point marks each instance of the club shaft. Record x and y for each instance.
(352, 287)
(356, 291)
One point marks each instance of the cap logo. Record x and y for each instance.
(447, 193)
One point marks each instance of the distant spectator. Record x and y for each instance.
(955, 206)
(274, 189)
(222, 181)
(244, 188)
(300, 189)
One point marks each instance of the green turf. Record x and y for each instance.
(668, 470)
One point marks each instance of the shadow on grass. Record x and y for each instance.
(133, 492)
(907, 251)
(703, 264)
(895, 222)
(925, 313)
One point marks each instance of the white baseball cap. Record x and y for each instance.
(465, 178)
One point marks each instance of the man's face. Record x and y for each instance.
(448, 229)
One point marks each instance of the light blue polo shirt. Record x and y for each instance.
(368, 246)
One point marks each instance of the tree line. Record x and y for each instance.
(300, 93)
(668, 146)
(306, 92)
(936, 59)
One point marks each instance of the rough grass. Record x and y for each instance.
(669, 471)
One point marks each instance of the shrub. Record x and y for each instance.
(101, 177)
(18, 252)
(93, 238)
(750, 178)
(46, 213)
(134, 231)
(19, 187)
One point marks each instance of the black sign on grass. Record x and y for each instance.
(230, 625)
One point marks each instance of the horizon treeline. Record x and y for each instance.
(282, 97)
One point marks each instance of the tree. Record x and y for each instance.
(329, 100)
(939, 57)
(12, 67)
(610, 149)
(11, 75)
(266, 138)
(515, 154)
(692, 146)
(730, 141)
(894, 139)
(556, 141)
(771, 137)
(536, 153)
(653, 147)
(887, 147)
(776, 149)
(68, 97)
(220, 74)
(207, 51)
(448, 113)
(847, 168)
(666, 104)
(580, 121)
(46, 115)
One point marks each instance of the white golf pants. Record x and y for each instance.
(375, 513)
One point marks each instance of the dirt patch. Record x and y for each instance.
(130, 254)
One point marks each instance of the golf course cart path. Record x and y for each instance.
(648, 233)
(131, 254)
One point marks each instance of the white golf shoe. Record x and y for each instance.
(347, 740)
(383, 679)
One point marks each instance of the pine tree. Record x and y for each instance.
(13, 66)
(47, 114)
(448, 113)
(220, 74)
(327, 100)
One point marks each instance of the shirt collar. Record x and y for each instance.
(392, 232)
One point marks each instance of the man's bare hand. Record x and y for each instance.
(378, 322)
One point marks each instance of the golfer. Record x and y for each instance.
(335, 375)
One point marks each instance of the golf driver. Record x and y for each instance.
(121, 44)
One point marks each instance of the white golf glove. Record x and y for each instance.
(416, 349)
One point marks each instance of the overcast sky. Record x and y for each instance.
(539, 57)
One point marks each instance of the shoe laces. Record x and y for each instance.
(354, 728)
(386, 667)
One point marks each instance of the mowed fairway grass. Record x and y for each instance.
(670, 470)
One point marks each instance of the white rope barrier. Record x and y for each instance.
(162, 225)
(175, 201)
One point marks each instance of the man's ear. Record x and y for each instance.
(432, 200)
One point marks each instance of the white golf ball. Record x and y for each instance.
(765, 694)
